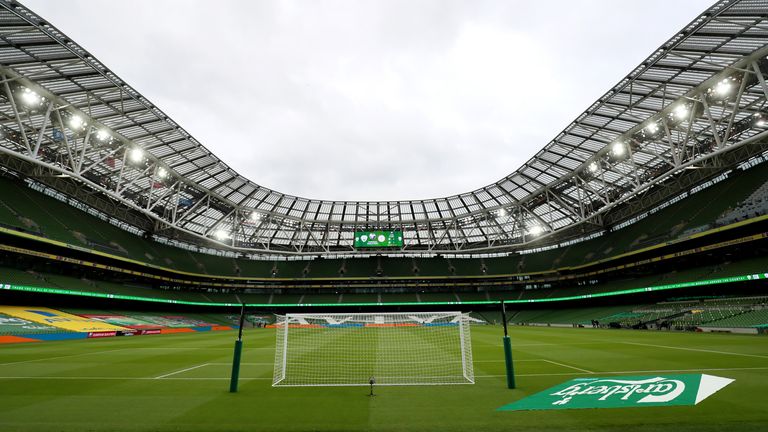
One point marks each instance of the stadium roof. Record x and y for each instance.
(687, 112)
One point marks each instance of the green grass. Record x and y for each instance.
(110, 384)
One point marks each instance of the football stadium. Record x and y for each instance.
(616, 280)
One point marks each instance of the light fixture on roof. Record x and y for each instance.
(221, 234)
(30, 98)
(255, 216)
(162, 173)
(501, 213)
(76, 122)
(759, 119)
(102, 135)
(593, 167)
(681, 111)
(535, 230)
(618, 149)
(652, 128)
(722, 88)
(136, 155)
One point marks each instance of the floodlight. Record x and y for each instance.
(30, 98)
(162, 173)
(136, 155)
(723, 88)
(681, 111)
(536, 230)
(593, 167)
(618, 149)
(76, 122)
(221, 234)
(501, 213)
(652, 128)
(255, 216)
(759, 120)
(102, 135)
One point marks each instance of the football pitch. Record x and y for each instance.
(180, 382)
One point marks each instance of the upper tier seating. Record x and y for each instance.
(756, 204)
(23, 208)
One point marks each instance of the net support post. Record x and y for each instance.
(233, 381)
(236, 366)
(508, 362)
(510, 366)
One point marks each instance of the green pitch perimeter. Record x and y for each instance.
(180, 383)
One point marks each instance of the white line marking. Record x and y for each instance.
(476, 376)
(64, 356)
(494, 346)
(124, 378)
(206, 348)
(476, 361)
(514, 345)
(568, 366)
(222, 379)
(371, 362)
(629, 372)
(183, 370)
(696, 349)
(200, 348)
(532, 375)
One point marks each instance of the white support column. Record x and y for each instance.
(463, 348)
(285, 346)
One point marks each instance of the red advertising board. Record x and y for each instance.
(102, 334)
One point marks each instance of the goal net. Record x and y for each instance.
(347, 349)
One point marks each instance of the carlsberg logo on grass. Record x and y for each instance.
(650, 390)
(623, 392)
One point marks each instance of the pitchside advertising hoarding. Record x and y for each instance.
(624, 392)
(378, 239)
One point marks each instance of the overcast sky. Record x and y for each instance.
(371, 100)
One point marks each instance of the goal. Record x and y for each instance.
(348, 349)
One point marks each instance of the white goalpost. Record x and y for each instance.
(348, 349)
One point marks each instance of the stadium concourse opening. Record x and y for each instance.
(628, 257)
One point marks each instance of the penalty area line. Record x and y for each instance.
(74, 378)
(243, 364)
(627, 372)
(64, 356)
(180, 371)
(696, 350)
(568, 366)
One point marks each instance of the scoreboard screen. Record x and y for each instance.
(378, 239)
